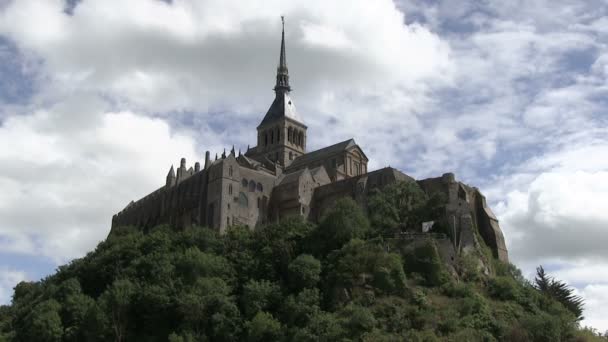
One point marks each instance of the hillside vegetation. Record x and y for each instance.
(344, 279)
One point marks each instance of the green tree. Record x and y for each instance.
(193, 264)
(360, 266)
(263, 327)
(260, 296)
(117, 300)
(304, 272)
(44, 322)
(400, 206)
(343, 222)
(560, 292)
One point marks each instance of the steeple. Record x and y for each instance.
(281, 134)
(282, 84)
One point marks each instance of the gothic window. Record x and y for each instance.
(244, 182)
(243, 201)
(251, 186)
(301, 139)
(260, 187)
(230, 171)
(278, 135)
(289, 134)
(229, 189)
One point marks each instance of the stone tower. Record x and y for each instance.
(281, 134)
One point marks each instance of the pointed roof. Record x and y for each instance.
(282, 71)
(171, 172)
(282, 106)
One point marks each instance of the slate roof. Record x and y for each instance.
(281, 107)
(322, 153)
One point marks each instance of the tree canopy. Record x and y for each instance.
(288, 281)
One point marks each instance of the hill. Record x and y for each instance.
(349, 278)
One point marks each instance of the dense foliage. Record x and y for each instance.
(342, 280)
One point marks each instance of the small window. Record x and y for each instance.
(251, 186)
(230, 189)
(244, 182)
(230, 171)
(260, 187)
(290, 156)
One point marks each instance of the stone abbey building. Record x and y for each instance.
(278, 177)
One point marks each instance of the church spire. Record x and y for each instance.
(282, 84)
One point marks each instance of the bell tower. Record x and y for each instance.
(281, 134)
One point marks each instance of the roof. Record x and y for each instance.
(281, 107)
(323, 153)
(292, 177)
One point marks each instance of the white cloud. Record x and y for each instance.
(508, 97)
(596, 300)
(8, 279)
(63, 181)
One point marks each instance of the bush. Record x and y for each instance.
(342, 223)
(304, 272)
(504, 288)
(425, 260)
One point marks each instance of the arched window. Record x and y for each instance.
(260, 187)
(289, 134)
(244, 182)
(251, 186)
(230, 171)
(229, 189)
(243, 201)
(278, 135)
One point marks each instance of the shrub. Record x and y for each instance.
(504, 288)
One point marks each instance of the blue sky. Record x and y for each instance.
(99, 98)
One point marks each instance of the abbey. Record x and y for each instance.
(278, 178)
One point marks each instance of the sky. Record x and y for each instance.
(98, 98)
